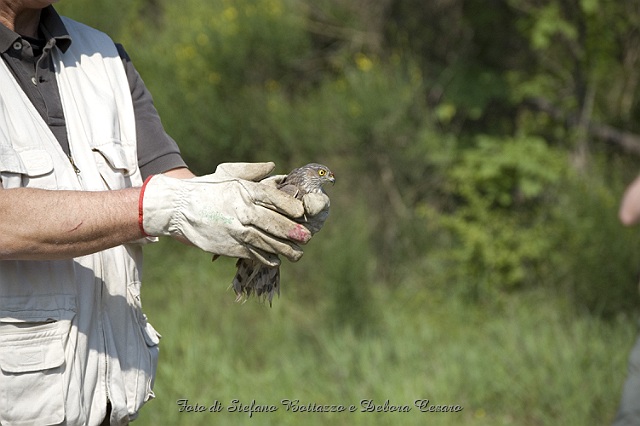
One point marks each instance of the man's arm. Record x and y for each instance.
(629, 212)
(180, 173)
(226, 213)
(39, 224)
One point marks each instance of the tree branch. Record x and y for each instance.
(625, 141)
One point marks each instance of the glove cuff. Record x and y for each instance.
(158, 197)
(140, 208)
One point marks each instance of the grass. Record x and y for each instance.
(527, 360)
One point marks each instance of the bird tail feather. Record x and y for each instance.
(255, 277)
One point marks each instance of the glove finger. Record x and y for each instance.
(269, 259)
(278, 226)
(315, 203)
(247, 171)
(273, 181)
(274, 199)
(263, 246)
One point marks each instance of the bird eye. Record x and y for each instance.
(322, 172)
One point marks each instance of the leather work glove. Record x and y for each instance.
(316, 205)
(226, 213)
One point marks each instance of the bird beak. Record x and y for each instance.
(332, 179)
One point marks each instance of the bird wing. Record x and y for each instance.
(291, 189)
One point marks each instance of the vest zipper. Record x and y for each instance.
(103, 331)
(73, 164)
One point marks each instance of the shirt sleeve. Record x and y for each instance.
(157, 151)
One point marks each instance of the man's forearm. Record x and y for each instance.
(37, 224)
(44, 225)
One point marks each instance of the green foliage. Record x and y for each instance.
(599, 266)
(351, 282)
(497, 363)
(221, 63)
(428, 123)
(473, 238)
(504, 188)
(505, 173)
(93, 13)
(548, 25)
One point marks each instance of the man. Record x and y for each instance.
(629, 410)
(78, 136)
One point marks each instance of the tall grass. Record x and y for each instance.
(527, 359)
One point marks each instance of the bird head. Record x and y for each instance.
(312, 177)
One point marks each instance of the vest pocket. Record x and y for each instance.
(30, 168)
(32, 362)
(113, 165)
(146, 353)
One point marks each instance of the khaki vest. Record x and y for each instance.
(72, 332)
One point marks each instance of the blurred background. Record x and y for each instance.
(473, 254)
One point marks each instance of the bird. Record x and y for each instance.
(253, 276)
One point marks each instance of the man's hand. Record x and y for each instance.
(316, 205)
(226, 213)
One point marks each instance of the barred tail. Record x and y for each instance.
(255, 277)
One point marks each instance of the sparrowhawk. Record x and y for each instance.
(255, 277)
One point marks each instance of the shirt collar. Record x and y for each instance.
(7, 38)
(51, 27)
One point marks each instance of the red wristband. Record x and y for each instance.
(140, 209)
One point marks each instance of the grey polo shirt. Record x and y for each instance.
(30, 62)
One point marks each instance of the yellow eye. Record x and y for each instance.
(322, 172)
